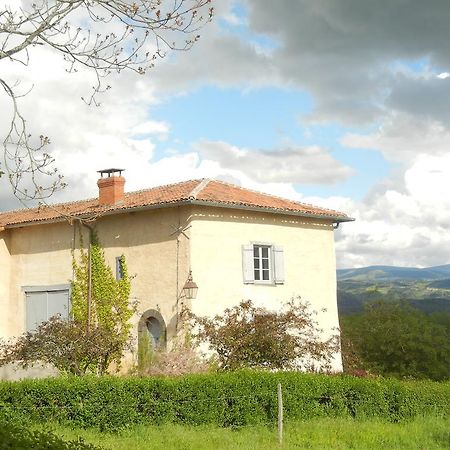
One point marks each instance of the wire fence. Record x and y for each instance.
(225, 399)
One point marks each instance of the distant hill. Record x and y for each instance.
(352, 304)
(384, 273)
(440, 284)
(427, 289)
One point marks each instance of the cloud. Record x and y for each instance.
(408, 227)
(221, 59)
(307, 165)
(346, 54)
(423, 97)
(402, 136)
(152, 127)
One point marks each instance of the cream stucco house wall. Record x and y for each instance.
(238, 244)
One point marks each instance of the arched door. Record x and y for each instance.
(152, 330)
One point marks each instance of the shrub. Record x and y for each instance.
(249, 337)
(66, 344)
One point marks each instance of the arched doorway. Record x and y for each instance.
(152, 331)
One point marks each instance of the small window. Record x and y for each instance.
(119, 268)
(263, 263)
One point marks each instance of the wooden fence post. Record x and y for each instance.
(280, 415)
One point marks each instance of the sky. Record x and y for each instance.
(339, 103)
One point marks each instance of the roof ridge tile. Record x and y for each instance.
(203, 183)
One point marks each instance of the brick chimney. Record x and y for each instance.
(110, 187)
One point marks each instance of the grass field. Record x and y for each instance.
(421, 434)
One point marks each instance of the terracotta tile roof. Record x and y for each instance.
(204, 191)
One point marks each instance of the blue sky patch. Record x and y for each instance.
(257, 118)
(265, 119)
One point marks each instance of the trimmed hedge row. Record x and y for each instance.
(226, 399)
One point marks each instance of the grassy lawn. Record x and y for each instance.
(421, 434)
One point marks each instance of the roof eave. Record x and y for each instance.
(333, 218)
(184, 202)
(91, 216)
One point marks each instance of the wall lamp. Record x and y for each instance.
(190, 288)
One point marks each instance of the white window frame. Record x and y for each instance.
(260, 258)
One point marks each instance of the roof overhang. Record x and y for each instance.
(186, 202)
(334, 219)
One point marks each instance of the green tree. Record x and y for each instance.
(247, 336)
(394, 339)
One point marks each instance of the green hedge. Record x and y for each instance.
(227, 399)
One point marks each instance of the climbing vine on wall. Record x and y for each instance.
(111, 309)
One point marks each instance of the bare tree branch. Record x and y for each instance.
(103, 36)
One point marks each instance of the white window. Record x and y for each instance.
(263, 263)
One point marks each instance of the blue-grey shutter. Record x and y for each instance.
(278, 258)
(36, 309)
(58, 304)
(41, 305)
(247, 264)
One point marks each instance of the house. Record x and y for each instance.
(233, 243)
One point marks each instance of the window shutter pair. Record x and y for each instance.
(41, 305)
(277, 264)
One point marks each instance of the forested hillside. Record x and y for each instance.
(426, 289)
